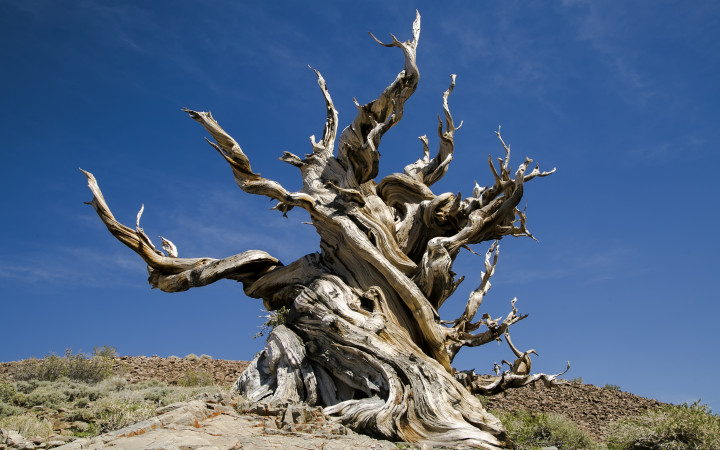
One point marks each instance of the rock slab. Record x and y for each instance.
(215, 423)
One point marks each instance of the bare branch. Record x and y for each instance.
(248, 180)
(172, 274)
(477, 296)
(484, 385)
(357, 149)
(429, 171)
(458, 338)
(326, 145)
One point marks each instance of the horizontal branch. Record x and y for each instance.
(478, 384)
(173, 274)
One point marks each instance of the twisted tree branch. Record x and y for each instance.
(173, 274)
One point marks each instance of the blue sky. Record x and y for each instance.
(621, 97)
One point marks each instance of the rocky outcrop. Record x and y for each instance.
(216, 422)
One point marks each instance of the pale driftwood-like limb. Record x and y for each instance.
(248, 180)
(484, 385)
(495, 329)
(358, 143)
(172, 274)
(523, 363)
(426, 170)
(327, 143)
(477, 296)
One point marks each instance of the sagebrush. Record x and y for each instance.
(672, 427)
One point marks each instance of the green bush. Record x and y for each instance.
(7, 391)
(112, 413)
(7, 410)
(534, 430)
(193, 378)
(612, 387)
(74, 366)
(676, 427)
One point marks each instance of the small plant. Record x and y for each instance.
(192, 357)
(273, 319)
(577, 380)
(612, 387)
(676, 427)
(206, 357)
(533, 430)
(193, 378)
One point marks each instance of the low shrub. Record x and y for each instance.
(112, 413)
(192, 357)
(74, 366)
(193, 378)
(28, 425)
(533, 430)
(612, 387)
(207, 357)
(676, 427)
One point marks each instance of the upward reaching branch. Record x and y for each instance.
(248, 180)
(426, 170)
(358, 143)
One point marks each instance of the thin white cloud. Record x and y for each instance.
(605, 28)
(583, 265)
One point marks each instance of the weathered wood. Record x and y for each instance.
(363, 336)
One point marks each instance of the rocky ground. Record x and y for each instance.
(590, 407)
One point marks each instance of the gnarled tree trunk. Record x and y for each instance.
(363, 336)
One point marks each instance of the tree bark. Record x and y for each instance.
(363, 336)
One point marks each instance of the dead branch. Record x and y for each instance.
(357, 146)
(173, 274)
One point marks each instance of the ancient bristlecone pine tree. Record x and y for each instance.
(363, 336)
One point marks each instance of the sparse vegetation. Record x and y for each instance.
(530, 430)
(192, 357)
(29, 406)
(577, 380)
(192, 378)
(272, 319)
(676, 427)
(612, 387)
(79, 367)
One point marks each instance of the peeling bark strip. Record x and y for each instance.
(363, 336)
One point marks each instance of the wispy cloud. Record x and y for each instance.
(78, 267)
(606, 29)
(585, 265)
